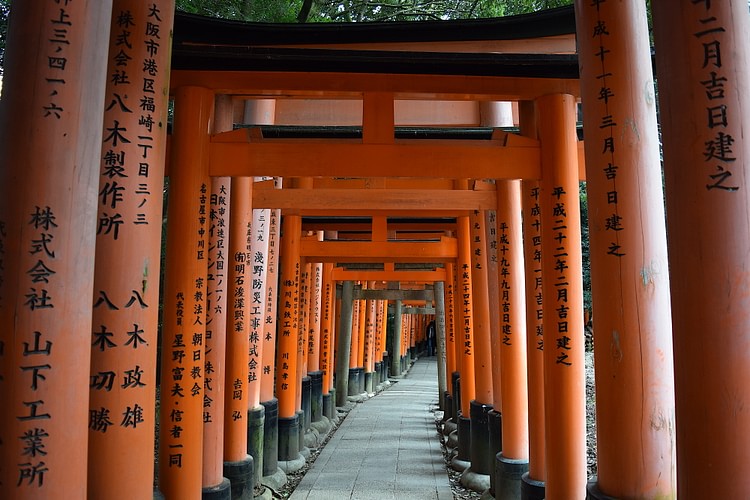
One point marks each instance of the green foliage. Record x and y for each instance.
(361, 10)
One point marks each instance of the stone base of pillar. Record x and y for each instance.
(508, 474)
(256, 419)
(452, 442)
(306, 403)
(274, 481)
(377, 374)
(301, 433)
(495, 427)
(456, 384)
(222, 491)
(594, 493)
(328, 406)
(288, 438)
(322, 427)
(271, 437)
(459, 465)
(474, 481)
(447, 406)
(449, 426)
(240, 477)
(316, 396)
(369, 379)
(353, 385)
(482, 461)
(464, 438)
(158, 495)
(531, 489)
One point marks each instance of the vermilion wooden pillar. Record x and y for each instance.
(239, 274)
(630, 285)
(564, 396)
(328, 299)
(450, 325)
(482, 458)
(182, 377)
(123, 376)
(513, 461)
(51, 122)
(286, 355)
(702, 51)
(532, 233)
(268, 372)
(214, 361)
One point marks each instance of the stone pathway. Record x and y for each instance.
(386, 448)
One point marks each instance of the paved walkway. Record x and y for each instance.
(386, 448)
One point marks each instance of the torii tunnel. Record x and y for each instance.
(334, 189)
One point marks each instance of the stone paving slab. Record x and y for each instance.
(386, 448)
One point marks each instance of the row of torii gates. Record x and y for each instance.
(384, 137)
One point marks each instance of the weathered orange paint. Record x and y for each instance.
(464, 304)
(512, 321)
(704, 124)
(481, 311)
(450, 322)
(630, 285)
(217, 287)
(51, 142)
(328, 298)
(272, 297)
(564, 396)
(286, 355)
(532, 223)
(123, 378)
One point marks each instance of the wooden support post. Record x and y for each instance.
(182, 357)
(532, 224)
(287, 353)
(344, 339)
(493, 294)
(51, 122)
(268, 373)
(328, 299)
(702, 62)
(630, 285)
(397, 338)
(238, 464)
(217, 285)
(513, 461)
(131, 181)
(450, 324)
(482, 458)
(564, 396)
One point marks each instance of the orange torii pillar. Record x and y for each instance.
(344, 339)
(355, 351)
(304, 388)
(565, 418)
(703, 87)
(123, 374)
(482, 459)
(451, 371)
(362, 326)
(239, 466)
(288, 345)
(494, 416)
(328, 298)
(215, 484)
(256, 305)
(513, 461)
(314, 343)
(182, 378)
(464, 339)
(257, 112)
(369, 345)
(630, 285)
(51, 115)
(532, 487)
(383, 338)
(272, 474)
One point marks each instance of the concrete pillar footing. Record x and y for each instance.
(221, 491)
(240, 476)
(531, 489)
(475, 481)
(508, 473)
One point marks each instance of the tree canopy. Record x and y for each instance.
(362, 10)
